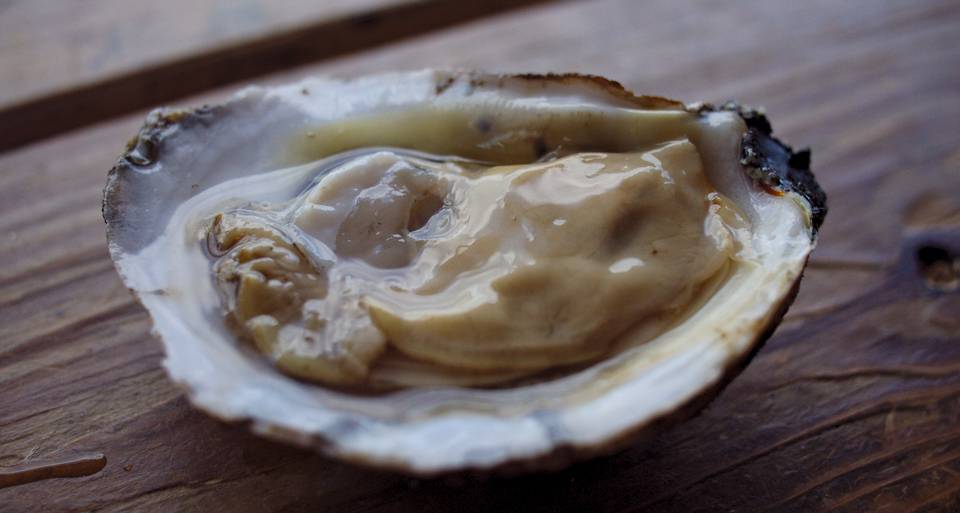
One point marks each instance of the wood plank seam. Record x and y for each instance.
(110, 97)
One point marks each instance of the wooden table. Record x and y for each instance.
(853, 405)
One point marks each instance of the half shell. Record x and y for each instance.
(178, 154)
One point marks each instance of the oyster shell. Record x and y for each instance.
(195, 174)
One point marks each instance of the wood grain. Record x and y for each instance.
(853, 405)
(121, 56)
(112, 37)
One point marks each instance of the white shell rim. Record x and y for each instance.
(461, 440)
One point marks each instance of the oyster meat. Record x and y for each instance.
(465, 270)
(516, 267)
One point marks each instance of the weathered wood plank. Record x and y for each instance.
(57, 45)
(854, 405)
(118, 56)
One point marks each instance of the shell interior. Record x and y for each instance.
(160, 191)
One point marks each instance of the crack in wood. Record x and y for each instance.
(99, 270)
(109, 97)
(887, 292)
(904, 372)
(870, 410)
(952, 457)
(76, 259)
(192, 485)
(70, 331)
(829, 478)
(950, 491)
(100, 373)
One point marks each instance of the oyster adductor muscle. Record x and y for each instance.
(604, 259)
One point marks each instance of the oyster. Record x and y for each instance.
(476, 270)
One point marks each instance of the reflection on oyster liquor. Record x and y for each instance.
(396, 268)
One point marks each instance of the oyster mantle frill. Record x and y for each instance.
(604, 259)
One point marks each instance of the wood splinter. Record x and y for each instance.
(76, 465)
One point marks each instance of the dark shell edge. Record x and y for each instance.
(774, 164)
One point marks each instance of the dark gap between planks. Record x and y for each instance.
(43, 117)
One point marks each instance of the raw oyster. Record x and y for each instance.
(606, 260)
